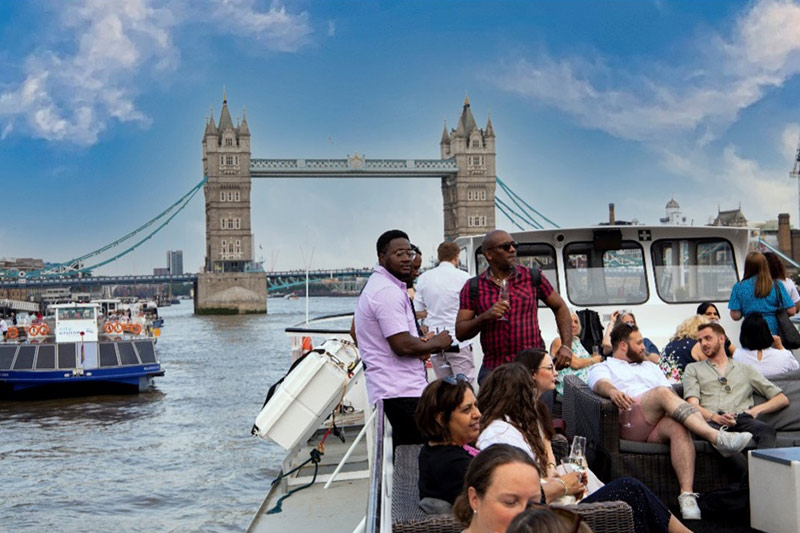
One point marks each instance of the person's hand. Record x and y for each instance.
(776, 342)
(574, 483)
(563, 357)
(441, 341)
(724, 419)
(620, 399)
(614, 316)
(497, 310)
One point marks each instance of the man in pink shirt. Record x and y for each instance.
(390, 348)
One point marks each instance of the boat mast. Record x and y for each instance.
(795, 173)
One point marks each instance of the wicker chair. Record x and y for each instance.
(408, 517)
(597, 419)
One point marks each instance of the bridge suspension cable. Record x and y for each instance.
(73, 265)
(525, 212)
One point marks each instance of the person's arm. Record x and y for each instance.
(736, 315)
(554, 346)
(721, 419)
(404, 344)
(564, 324)
(605, 344)
(606, 389)
(777, 402)
(557, 487)
(422, 314)
(468, 324)
(697, 352)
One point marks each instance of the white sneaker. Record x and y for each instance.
(689, 508)
(731, 443)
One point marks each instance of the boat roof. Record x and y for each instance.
(72, 305)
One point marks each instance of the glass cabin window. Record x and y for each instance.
(528, 255)
(597, 277)
(694, 270)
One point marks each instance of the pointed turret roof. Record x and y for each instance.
(445, 136)
(489, 128)
(467, 121)
(225, 120)
(211, 128)
(243, 129)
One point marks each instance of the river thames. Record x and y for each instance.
(177, 458)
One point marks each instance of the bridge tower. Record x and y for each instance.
(229, 283)
(469, 195)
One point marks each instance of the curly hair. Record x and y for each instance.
(509, 394)
(688, 328)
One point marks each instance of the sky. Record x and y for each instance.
(103, 107)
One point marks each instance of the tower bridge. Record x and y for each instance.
(229, 283)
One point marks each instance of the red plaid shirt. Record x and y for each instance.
(502, 340)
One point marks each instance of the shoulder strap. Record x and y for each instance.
(536, 276)
(473, 289)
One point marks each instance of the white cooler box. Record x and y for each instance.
(308, 395)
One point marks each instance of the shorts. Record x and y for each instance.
(641, 430)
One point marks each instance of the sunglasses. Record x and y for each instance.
(453, 380)
(507, 246)
(570, 517)
(724, 381)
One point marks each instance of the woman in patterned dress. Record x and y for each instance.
(581, 359)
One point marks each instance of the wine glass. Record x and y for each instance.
(441, 358)
(577, 454)
(504, 295)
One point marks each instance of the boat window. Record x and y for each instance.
(694, 270)
(597, 277)
(528, 255)
(76, 313)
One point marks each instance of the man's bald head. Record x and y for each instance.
(493, 238)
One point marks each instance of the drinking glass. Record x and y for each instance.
(577, 455)
(504, 295)
(440, 356)
(625, 417)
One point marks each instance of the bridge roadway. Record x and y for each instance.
(278, 277)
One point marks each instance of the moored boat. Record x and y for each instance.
(77, 356)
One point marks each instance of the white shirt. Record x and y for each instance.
(791, 288)
(3, 325)
(773, 361)
(437, 293)
(501, 432)
(634, 379)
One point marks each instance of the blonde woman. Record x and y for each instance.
(680, 351)
(581, 359)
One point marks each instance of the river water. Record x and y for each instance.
(177, 458)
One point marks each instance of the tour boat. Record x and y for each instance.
(660, 273)
(79, 356)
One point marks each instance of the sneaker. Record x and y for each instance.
(732, 443)
(689, 508)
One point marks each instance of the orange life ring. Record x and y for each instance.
(12, 332)
(117, 328)
(44, 329)
(136, 329)
(108, 327)
(307, 345)
(33, 330)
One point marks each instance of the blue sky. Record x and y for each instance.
(102, 109)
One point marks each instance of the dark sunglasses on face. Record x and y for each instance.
(507, 246)
(453, 380)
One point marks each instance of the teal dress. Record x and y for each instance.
(743, 298)
(583, 373)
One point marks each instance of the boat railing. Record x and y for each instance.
(380, 485)
(315, 326)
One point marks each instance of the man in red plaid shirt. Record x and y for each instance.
(509, 326)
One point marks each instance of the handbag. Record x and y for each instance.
(790, 337)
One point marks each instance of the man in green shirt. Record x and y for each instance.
(722, 389)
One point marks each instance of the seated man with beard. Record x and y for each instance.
(654, 412)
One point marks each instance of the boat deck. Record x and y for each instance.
(339, 508)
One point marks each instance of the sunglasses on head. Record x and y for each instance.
(453, 380)
(507, 245)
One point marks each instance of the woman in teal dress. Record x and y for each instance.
(756, 293)
(581, 359)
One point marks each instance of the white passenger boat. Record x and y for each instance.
(660, 273)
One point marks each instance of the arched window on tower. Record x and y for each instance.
(228, 141)
(221, 196)
(236, 196)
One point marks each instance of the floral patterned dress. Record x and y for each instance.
(583, 373)
(676, 355)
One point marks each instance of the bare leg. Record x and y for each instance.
(661, 401)
(675, 526)
(681, 450)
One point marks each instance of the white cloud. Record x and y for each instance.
(275, 28)
(698, 97)
(110, 51)
(789, 140)
(6, 131)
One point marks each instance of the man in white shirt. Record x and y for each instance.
(437, 301)
(3, 327)
(650, 411)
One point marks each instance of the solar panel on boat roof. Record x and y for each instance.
(66, 356)
(7, 356)
(108, 354)
(146, 352)
(126, 353)
(46, 358)
(25, 358)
